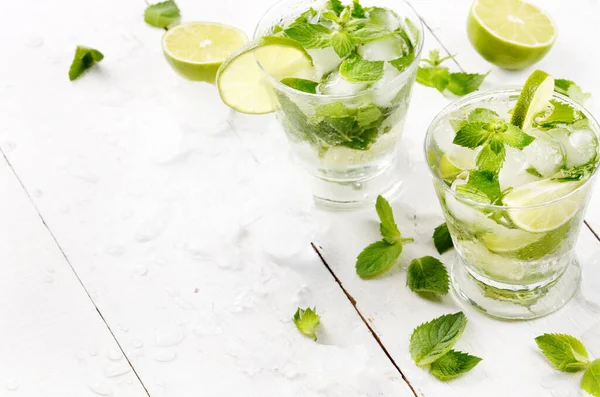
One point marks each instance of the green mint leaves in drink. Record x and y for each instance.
(84, 59)
(570, 89)
(380, 256)
(442, 239)
(357, 70)
(439, 77)
(162, 14)
(558, 114)
(306, 321)
(303, 85)
(427, 275)
(431, 345)
(310, 35)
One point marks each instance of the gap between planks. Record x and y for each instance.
(64, 255)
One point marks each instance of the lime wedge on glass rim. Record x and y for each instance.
(242, 84)
(511, 34)
(195, 50)
(534, 98)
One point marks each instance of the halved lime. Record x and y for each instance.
(511, 34)
(503, 240)
(547, 217)
(244, 87)
(452, 164)
(535, 97)
(196, 49)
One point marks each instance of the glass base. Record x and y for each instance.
(515, 304)
(355, 194)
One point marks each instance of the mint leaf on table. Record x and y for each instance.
(442, 239)
(387, 227)
(342, 43)
(453, 364)
(591, 379)
(377, 259)
(357, 10)
(84, 59)
(162, 14)
(357, 70)
(433, 339)
(301, 84)
(307, 321)
(428, 275)
(570, 89)
(310, 35)
(440, 77)
(565, 352)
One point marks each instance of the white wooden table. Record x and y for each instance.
(154, 243)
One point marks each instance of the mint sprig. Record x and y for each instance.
(428, 275)
(306, 321)
(441, 238)
(84, 59)
(161, 15)
(380, 256)
(310, 35)
(570, 89)
(439, 77)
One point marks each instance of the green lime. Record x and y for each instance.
(452, 164)
(196, 49)
(534, 98)
(510, 34)
(242, 84)
(524, 245)
(545, 217)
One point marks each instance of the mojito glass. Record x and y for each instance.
(344, 122)
(514, 231)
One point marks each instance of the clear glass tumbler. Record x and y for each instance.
(502, 266)
(351, 158)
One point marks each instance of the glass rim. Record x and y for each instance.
(516, 90)
(402, 74)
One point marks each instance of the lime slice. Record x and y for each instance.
(496, 266)
(244, 87)
(547, 217)
(534, 98)
(452, 164)
(503, 240)
(196, 49)
(511, 34)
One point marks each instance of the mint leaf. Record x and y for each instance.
(336, 6)
(388, 228)
(163, 14)
(305, 17)
(413, 32)
(435, 59)
(84, 59)
(367, 34)
(437, 78)
(565, 352)
(578, 173)
(301, 84)
(310, 35)
(453, 364)
(442, 239)
(561, 113)
(515, 137)
(377, 259)
(591, 379)
(357, 10)
(488, 160)
(431, 340)
(403, 62)
(472, 135)
(534, 172)
(367, 116)
(570, 89)
(482, 186)
(357, 70)
(428, 274)
(483, 115)
(307, 321)
(464, 83)
(342, 43)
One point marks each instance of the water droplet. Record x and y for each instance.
(100, 389)
(49, 279)
(34, 41)
(50, 269)
(93, 353)
(123, 327)
(164, 339)
(137, 343)
(80, 356)
(161, 261)
(11, 385)
(165, 356)
(141, 270)
(116, 250)
(38, 193)
(9, 146)
(115, 370)
(64, 209)
(114, 355)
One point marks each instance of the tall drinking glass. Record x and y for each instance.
(346, 137)
(516, 261)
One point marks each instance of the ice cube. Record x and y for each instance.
(335, 84)
(325, 60)
(544, 154)
(385, 17)
(383, 89)
(443, 135)
(466, 213)
(514, 170)
(580, 146)
(385, 49)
